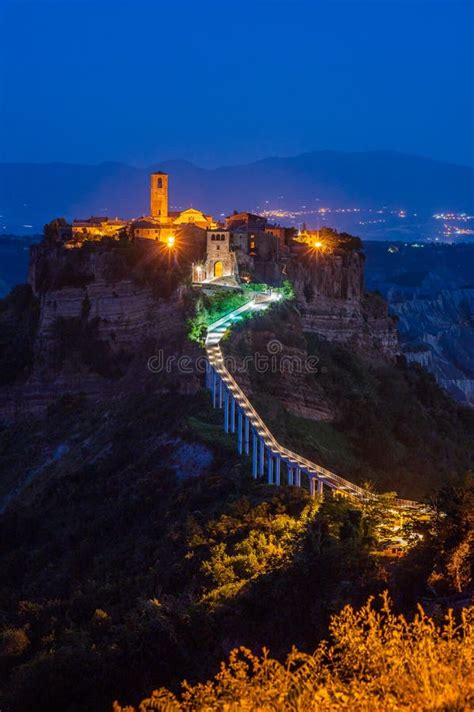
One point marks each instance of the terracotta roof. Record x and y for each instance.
(146, 225)
(235, 216)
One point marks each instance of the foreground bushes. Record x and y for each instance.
(376, 660)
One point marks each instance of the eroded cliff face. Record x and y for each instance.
(438, 333)
(333, 303)
(101, 319)
(429, 287)
(275, 362)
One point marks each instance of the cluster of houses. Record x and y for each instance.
(240, 238)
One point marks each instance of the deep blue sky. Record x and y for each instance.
(226, 81)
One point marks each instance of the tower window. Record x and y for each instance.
(159, 183)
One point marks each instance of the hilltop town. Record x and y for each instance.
(106, 294)
(229, 245)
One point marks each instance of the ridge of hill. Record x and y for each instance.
(32, 193)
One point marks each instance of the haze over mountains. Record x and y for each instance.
(31, 194)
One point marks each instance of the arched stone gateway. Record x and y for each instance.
(221, 262)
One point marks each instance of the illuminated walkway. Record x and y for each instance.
(254, 439)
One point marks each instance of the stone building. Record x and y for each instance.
(148, 228)
(159, 197)
(97, 227)
(192, 216)
(245, 221)
(162, 223)
(220, 262)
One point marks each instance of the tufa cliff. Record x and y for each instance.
(102, 312)
(330, 305)
(334, 305)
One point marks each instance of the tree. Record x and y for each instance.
(51, 230)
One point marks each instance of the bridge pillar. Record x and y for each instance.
(254, 455)
(298, 476)
(277, 469)
(261, 468)
(290, 474)
(232, 414)
(239, 431)
(320, 488)
(226, 410)
(312, 486)
(221, 392)
(270, 467)
(214, 389)
(247, 436)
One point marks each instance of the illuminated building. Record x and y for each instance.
(192, 216)
(161, 223)
(97, 227)
(159, 197)
(221, 262)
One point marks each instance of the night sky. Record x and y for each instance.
(229, 81)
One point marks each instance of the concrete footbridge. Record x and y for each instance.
(270, 460)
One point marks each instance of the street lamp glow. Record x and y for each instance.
(170, 241)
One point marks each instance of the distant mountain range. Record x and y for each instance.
(31, 194)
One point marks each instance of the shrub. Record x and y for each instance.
(375, 660)
(13, 642)
(211, 308)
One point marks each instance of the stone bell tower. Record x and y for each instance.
(159, 196)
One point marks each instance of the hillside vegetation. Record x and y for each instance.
(137, 551)
(393, 425)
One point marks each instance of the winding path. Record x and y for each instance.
(254, 439)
